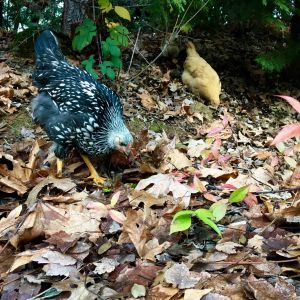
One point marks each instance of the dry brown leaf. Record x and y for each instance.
(161, 292)
(153, 248)
(147, 101)
(193, 294)
(106, 265)
(178, 160)
(163, 184)
(7, 92)
(261, 289)
(179, 276)
(74, 197)
(216, 173)
(14, 185)
(136, 197)
(228, 247)
(8, 224)
(136, 231)
(26, 257)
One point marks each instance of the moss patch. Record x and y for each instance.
(15, 122)
(136, 125)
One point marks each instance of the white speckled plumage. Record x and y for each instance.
(72, 107)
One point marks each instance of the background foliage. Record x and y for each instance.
(183, 17)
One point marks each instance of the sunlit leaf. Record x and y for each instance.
(123, 12)
(105, 5)
(205, 216)
(198, 185)
(218, 210)
(117, 216)
(239, 194)
(115, 198)
(181, 221)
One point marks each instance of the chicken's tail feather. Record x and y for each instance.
(46, 46)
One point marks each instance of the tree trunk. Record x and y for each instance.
(295, 22)
(74, 13)
(1, 14)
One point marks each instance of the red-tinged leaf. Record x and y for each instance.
(292, 101)
(117, 216)
(228, 186)
(223, 158)
(210, 197)
(215, 149)
(286, 133)
(225, 121)
(250, 200)
(215, 131)
(198, 185)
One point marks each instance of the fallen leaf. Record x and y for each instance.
(179, 276)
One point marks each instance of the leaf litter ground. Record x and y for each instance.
(66, 238)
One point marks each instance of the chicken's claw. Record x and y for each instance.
(97, 179)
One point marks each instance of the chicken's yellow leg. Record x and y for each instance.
(59, 166)
(94, 174)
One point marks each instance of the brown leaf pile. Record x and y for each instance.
(66, 238)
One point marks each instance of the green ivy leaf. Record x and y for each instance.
(112, 42)
(88, 65)
(105, 50)
(106, 69)
(110, 73)
(239, 194)
(218, 210)
(205, 216)
(84, 34)
(117, 62)
(119, 33)
(181, 221)
(114, 50)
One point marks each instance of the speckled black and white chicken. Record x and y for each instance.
(74, 109)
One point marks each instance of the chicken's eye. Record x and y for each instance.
(123, 144)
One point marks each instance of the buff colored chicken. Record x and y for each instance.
(200, 77)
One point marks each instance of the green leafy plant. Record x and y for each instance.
(117, 37)
(182, 220)
(84, 34)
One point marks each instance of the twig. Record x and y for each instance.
(133, 51)
(185, 12)
(297, 188)
(158, 56)
(194, 15)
